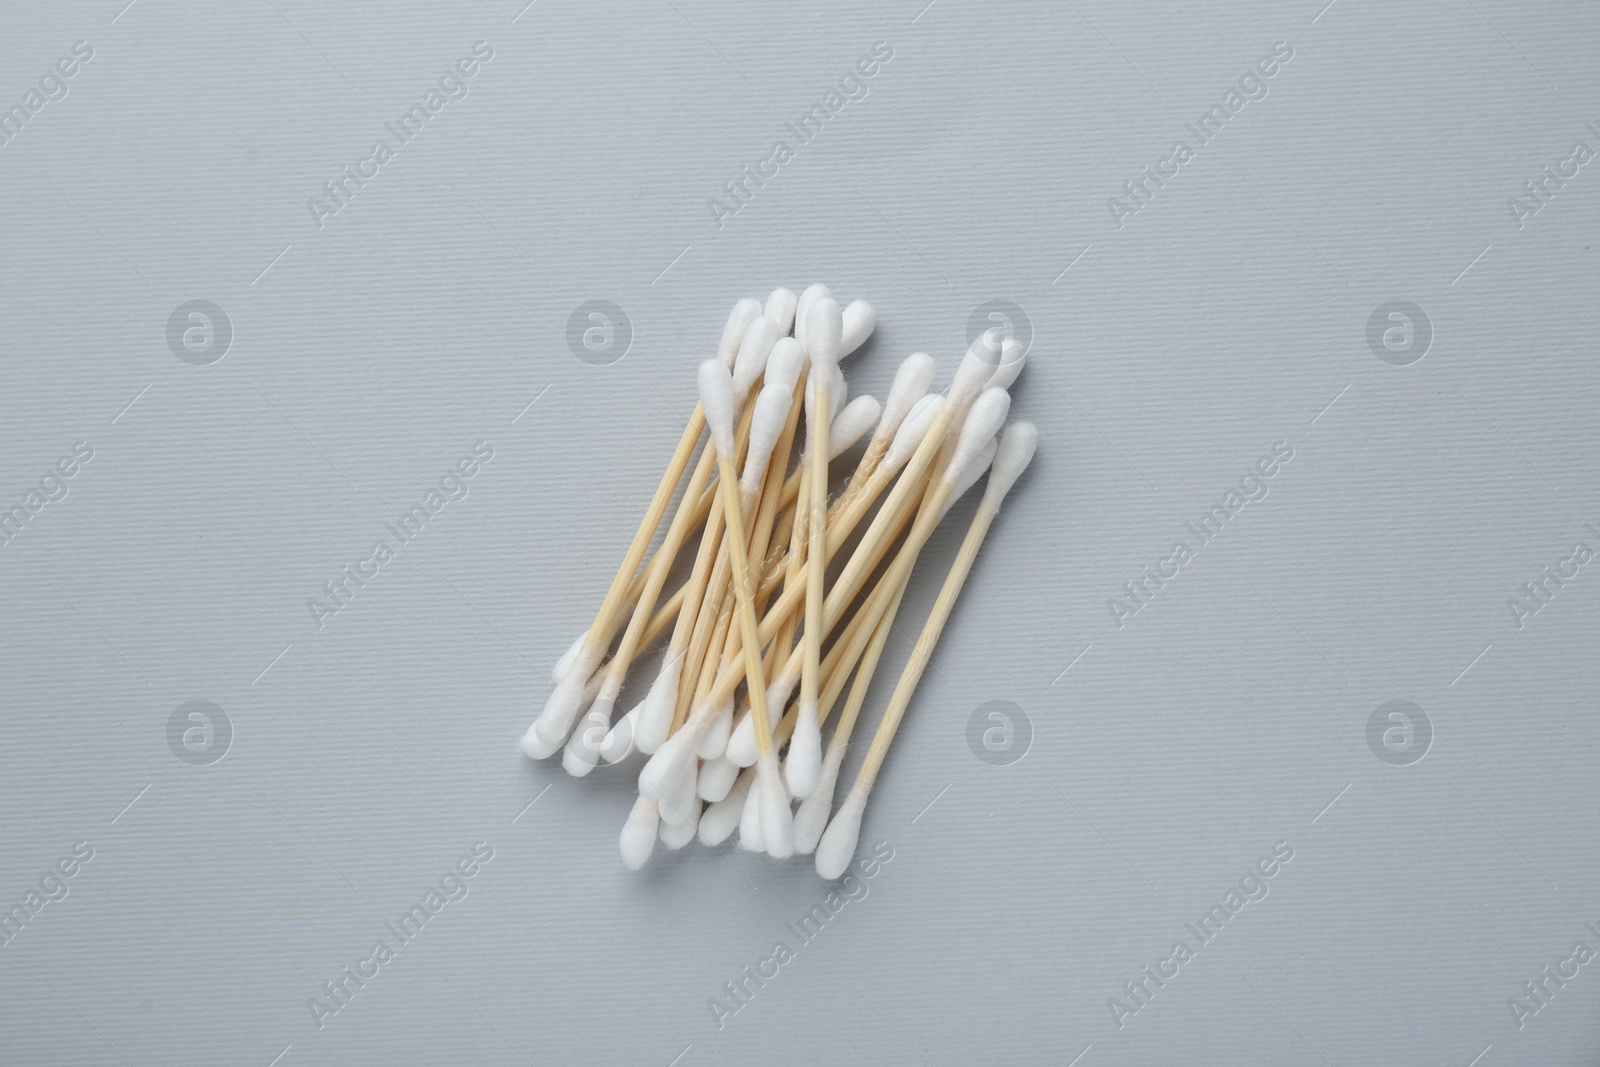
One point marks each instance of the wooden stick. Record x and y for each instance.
(702, 624)
(665, 616)
(707, 585)
(838, 842)
(713, 657)
(841, 594)
(912, 674)
(817, 539)
(746, 603)
(598, 635)
(659, 566)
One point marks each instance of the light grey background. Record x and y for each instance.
(369, 355)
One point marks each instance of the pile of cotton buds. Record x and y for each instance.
(768, 606)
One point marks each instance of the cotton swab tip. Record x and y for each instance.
(859, 320)
(852, 424)
(1012, 359)
(675, 836)
(716, 778)
(1017, 446)
(554, 723)
(911, 383)
(742, 744)
(838, 845)
(970, 473)
(750, 822)
(780, 308)
(784, 365)
(766, 426)
(824, 340)
(988, 414)
(638, 838)
(660, 775)
(811, 818)
(583, 747)
(777, 821)
(536, 747)
(741, 748)
(619, 739)
(716, 399)
(752, 358)
(812, 294)
(680, 802)
(722, 817)
(912, 430)
(739, 319)
(714, 740)
(655, 711)
(803, 767)
(976, 368)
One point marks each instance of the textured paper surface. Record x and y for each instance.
(533, 271)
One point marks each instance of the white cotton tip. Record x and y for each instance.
(1017, 446)
(716, 778)
(767, 423)
(969, 474)
(923, 415)
(750, 838)
(838, 392)
(743, 314)
(716, 399)
(811, 818)
(741, 750)
(675, 836)
(777, 821)
(751, 361)
(780, 309)
(564, 664)
(714, 741)
(838, 845)
(858, 320)
(680, 801)
(852, 424)
(619, 739)
(1012, 359)
(721, 817)
(536, 747)
(976, 368)
(784, 365)
(803, 767)
(570, 696)
(824, 339)
(573, 760)
(551, 729)
(655, 710)
(583, 747)
(638, 838)
(988, 414)
(661, 772)
(802, 310)
(742, 742)
(911, 384)
(989, 346)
